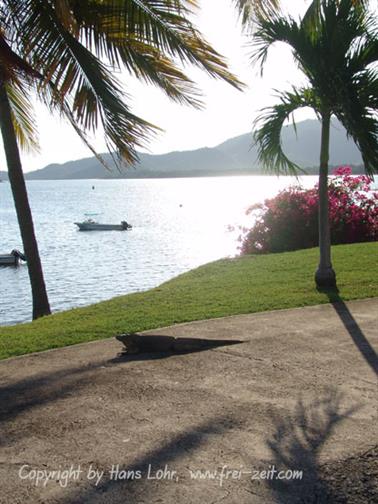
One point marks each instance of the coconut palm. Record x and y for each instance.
(66, 51)
(335, 45)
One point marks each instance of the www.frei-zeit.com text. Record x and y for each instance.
(63, 476)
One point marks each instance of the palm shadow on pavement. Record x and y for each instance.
(296, 445)
(165, 454)
(354, 330)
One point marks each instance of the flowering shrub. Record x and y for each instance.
(289, 221)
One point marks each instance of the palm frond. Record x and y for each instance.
(149, 64)
(269, 128)
(270, 30)
(315, 12)
(11, 63)
(66, 16)
(364, 52)
(359, 116)
(163, 25)
(64, 109)
(249, 9)
(22, 116)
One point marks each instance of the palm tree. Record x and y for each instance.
(65, 51)
(335, 45)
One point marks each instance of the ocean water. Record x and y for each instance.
(178, 224)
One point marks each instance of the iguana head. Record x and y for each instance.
(130, 340)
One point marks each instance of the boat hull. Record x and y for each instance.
(12, 259)
(86, 226)
(8, 260)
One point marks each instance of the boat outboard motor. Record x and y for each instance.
(126, 225)
(18, 254)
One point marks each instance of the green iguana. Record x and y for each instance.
(143, 343)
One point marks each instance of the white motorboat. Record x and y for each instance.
(12, 259)
(91, 225)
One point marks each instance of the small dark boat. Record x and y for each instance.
(12, 259)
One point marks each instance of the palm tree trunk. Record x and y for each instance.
(41, 305)
(325, 276)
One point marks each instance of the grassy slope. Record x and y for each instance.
(227, 287)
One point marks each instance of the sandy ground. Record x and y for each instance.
(81, 425)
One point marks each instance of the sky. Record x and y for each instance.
(228, 112)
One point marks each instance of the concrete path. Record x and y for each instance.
(212, 426)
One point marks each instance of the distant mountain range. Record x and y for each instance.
(236, 156)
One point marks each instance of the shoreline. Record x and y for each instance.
(228, 287)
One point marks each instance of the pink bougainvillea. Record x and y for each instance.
(289, 221)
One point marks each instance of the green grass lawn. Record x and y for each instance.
(227, 287)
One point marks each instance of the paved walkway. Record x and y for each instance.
(300, 394)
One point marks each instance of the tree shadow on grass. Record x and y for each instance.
(351, 325)
(296, 445)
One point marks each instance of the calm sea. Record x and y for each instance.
(178, 224)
